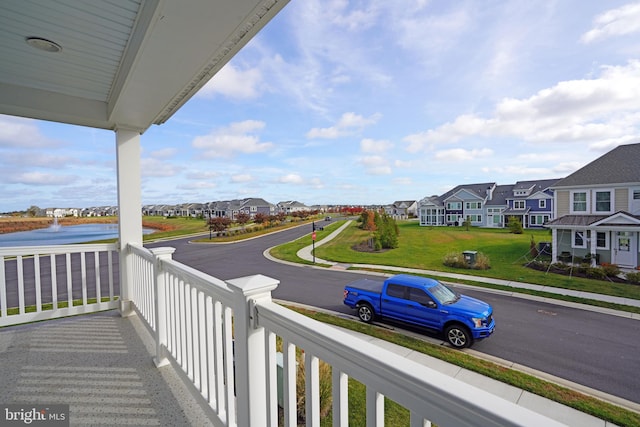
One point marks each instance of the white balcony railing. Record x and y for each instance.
(221, 337)
(77, 278)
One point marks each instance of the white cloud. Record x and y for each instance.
(236, 138)
(586, 111)
(165, 153)
(369, 145)
(460, 154)
(40, 178)
(22, 133)
(375, 165)
(291, 178)
(234, 83)
(241, 178)
(348, 124)
(614, 22)
(151, 167)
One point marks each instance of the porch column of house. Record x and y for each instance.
(554, 245)
(593, 242)
(129, 207)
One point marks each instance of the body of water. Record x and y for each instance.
(62, 235)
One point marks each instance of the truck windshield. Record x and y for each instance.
(444, 294)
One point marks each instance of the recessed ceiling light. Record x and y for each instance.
(43, 44)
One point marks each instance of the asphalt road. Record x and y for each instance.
(597, 350)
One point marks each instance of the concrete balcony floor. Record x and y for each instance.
(99, 364)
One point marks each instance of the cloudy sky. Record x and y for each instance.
(368, 102)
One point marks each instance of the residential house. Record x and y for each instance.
(291, 206)
(531, 202)
(402, 209)
(496, 205)
(597, 210)
(454, 206)
(431, 211)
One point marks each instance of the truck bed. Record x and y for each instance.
(367, 285)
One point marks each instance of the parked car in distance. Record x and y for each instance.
(424, 302)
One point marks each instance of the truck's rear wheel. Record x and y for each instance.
(458, 336)
(366, 313)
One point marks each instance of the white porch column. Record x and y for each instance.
(554, 245)
(129, 206)
(593, 242)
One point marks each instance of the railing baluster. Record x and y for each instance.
(83, 273)
(96, 266)
(272, 375)
(289, 371)
(36, 272)
(218, 350)
(229, 371)
(69, 282)
(54, 281)
(19, 270)
(3, 289)
(312, 390)
(340, 390)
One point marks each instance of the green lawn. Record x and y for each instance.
(425, 248)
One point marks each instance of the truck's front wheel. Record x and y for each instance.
(458, 336)
(365, 313)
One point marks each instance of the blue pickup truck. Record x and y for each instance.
(425, 302)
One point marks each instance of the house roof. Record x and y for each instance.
(479, 190)
(577, 221)
(500, 194)
(618, 166)
(123, 64)
(534, 186)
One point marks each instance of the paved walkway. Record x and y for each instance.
(549, 408)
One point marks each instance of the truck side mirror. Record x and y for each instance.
(432, 304)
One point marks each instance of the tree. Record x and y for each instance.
(260, 218)
(218, 223)
(467, 223)
(243, 218)
(515, 225)
(386, 236)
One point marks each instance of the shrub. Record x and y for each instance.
(595, 273)
(633, 277)
(515, 225)
(455, 260)
(610, 270)
(482, 262)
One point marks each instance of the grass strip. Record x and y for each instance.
(583, 403)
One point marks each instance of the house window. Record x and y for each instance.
(475, 218)
(452, 218)
(538, 219)
(579, 201)
(579, 240)
(636, 194)
(454, 206)
(518, 204)
(474, 205)
(603, 201)
(542, 203)
(602, 240)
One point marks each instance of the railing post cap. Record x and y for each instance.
(252, 285)
(167, 250)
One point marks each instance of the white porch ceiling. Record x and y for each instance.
(124, 63)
